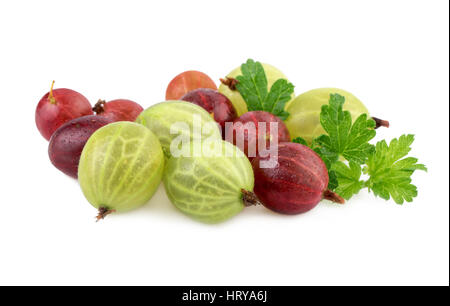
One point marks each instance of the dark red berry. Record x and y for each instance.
(68, 141)
(250, 127)
(214, 103)
(296, 184)
(59, 106)
(118, 110)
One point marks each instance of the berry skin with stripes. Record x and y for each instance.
(214, 103)
(187, 81)
(118, 110)
(304, 112)
(297, 183)
(121, 167)
(211, 187)
(248, 126)
(171, 119)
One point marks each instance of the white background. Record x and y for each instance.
(393, 55)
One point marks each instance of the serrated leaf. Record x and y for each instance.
(388, 167)
(279, 95)
(300, 140)
(390, 176)
(328, 157)
(344, 138)
(399, 189)
(252, 85)
(333, 181)
(348, 178)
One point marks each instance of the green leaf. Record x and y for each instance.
(387, 166)
(279, 95)
(390, 175)
(300, 140)
(333, 180)
(344, 138)
(252, 84)
(348, 178)
(253, 87)
(328, 157)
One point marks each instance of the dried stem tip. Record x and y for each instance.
(103, 212)
(379, 122)
(51, 98)
(249, 198)
(230, 82)
(333, 196)
(99, 107)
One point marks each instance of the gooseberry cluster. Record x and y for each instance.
(209, 150)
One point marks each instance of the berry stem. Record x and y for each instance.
(230, 82)
(333, 196)
(249, 198)
(380, 122)
(51, 98)
(99, 107)
(103, 212)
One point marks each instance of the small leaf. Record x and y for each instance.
(253, 87)
(252, 84)
(300, 140)
(344, 138)
(390, 176)
(279, 95)
(333, 181)
(348, 178)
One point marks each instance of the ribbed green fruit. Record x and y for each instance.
(304, 111)
(160, 117)
(209, 188)
(272, 75)
(121, 166)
